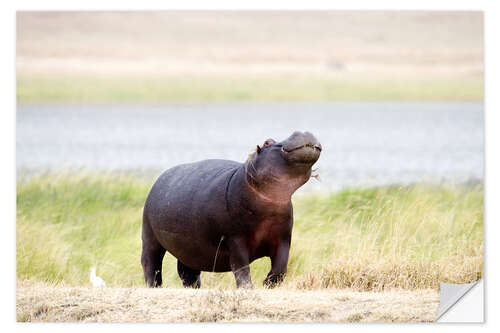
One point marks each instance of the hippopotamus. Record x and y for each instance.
(220, 215)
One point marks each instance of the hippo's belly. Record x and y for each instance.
(198, 254)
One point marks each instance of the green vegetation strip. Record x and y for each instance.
(361, 238)
(38, 89)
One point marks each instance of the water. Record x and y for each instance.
(363, 143)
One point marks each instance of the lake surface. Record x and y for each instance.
(363, 143)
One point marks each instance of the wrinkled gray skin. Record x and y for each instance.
(220, 215)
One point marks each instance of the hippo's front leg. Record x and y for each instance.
(239, 261)
(279, 262)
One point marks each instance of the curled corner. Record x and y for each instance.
(451, 294)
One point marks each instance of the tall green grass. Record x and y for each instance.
(362, 238)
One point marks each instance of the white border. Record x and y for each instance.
(252, 5)
(7, 142)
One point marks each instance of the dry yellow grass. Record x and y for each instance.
(39, 302)
(363, 274)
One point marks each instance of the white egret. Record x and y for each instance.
(95, 280)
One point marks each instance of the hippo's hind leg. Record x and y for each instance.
(190, 278)
(152, 256)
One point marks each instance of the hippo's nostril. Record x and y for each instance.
(318, 147)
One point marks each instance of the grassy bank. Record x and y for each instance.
(81, 89)
(364, 239)
(39, 302)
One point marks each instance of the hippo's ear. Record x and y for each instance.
(269, 142)
(258, 149)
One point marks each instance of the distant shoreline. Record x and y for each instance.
(212, 56)
(79, 89)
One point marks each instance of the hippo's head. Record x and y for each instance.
(277, 169)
